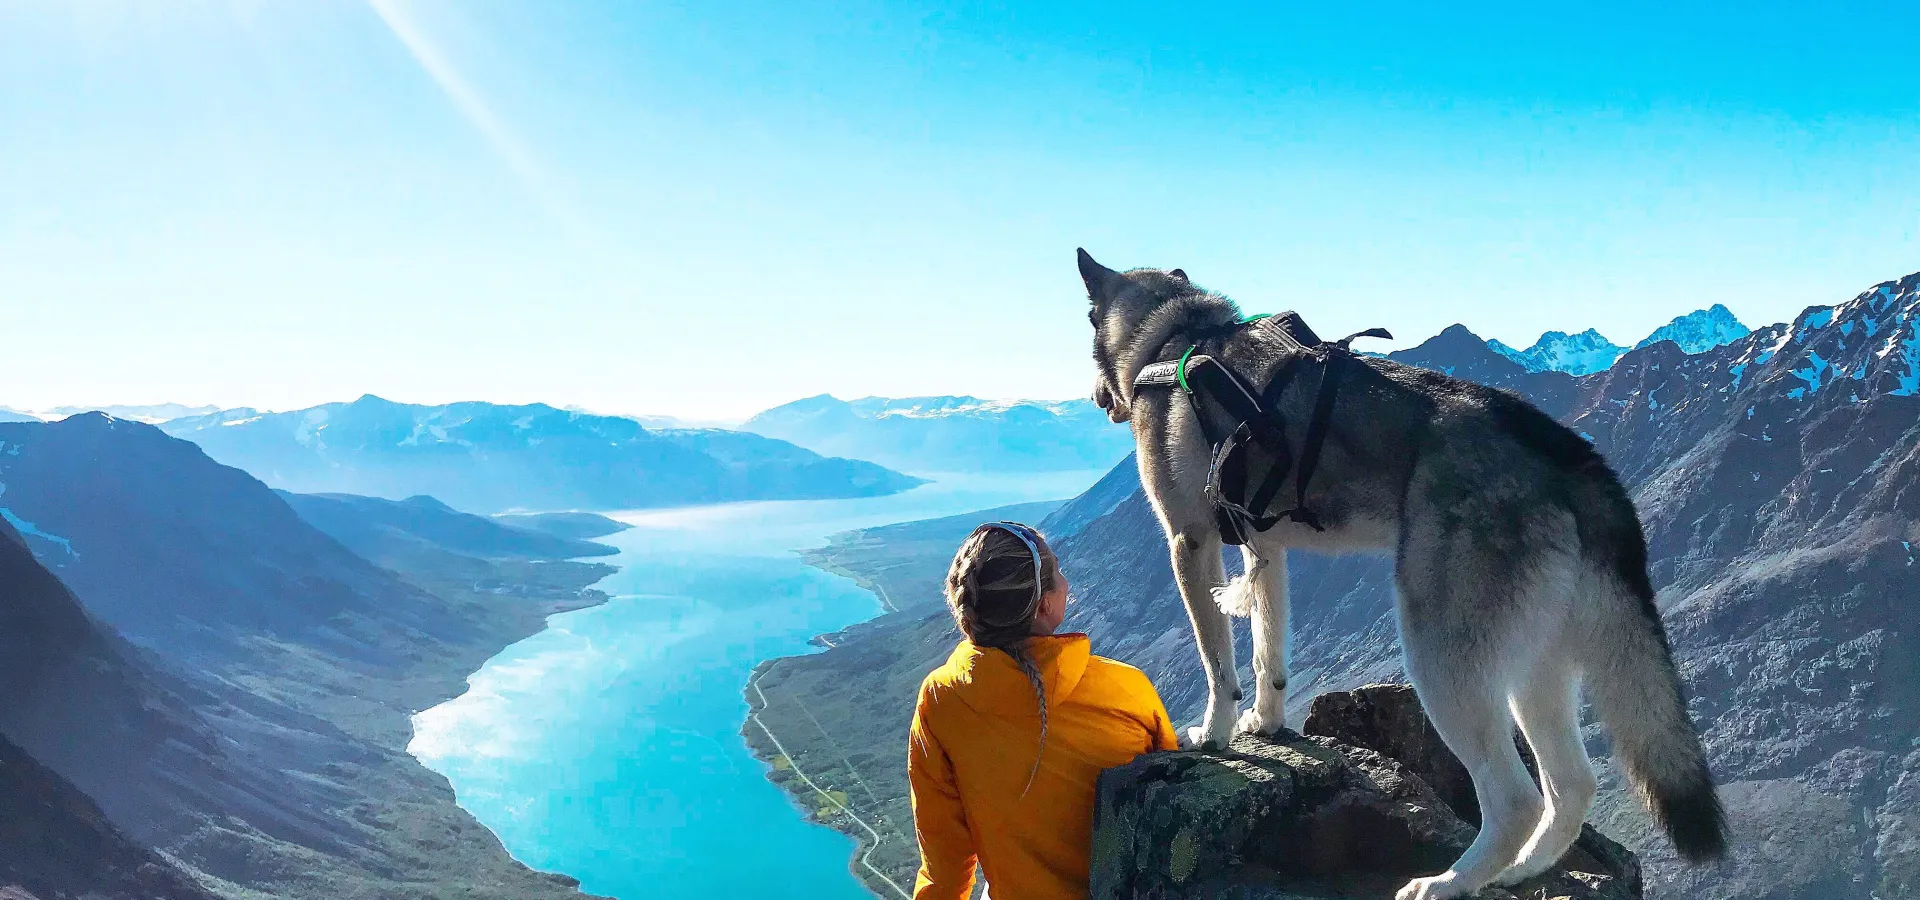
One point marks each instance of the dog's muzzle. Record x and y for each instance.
(1105, 398)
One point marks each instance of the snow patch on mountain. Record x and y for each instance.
(31, 530)
(1909, 349)
(937, 407)
(1590, 351)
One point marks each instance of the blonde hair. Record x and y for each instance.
(992, 592)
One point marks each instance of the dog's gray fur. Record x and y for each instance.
(1519, 560)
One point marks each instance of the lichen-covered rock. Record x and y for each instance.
(1301, 817)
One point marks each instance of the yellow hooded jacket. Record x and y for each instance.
(975, 734)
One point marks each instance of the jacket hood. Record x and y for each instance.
(991, 682)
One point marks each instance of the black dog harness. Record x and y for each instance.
(1240, 505)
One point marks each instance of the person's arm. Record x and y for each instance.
(947, 854)
(1165, 737)
(1159, 724)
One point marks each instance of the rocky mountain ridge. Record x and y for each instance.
(1589, 351)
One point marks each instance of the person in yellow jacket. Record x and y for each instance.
(1009, 736)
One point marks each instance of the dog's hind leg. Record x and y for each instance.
(1465, 625)
(1197, 568)
(1472, 718)
(1266, 579)
(1547, 704)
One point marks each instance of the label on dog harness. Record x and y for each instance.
(1161, 373)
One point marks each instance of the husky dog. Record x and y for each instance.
(1519, 560)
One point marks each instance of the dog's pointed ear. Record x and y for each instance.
(1180, 274)
(1094, 274)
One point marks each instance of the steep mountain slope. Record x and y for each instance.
(113, 721)
(1779, 479)
(71, 691)
(55, 843)
(485, 457)
(951, 434)
(301, 661)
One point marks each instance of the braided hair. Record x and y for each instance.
(994, 588)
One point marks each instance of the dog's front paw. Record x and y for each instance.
(1444, 886)
(1254, 722)
(1197, 738)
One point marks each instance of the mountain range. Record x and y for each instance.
(213, 666)
(1778, 478)
(951, 434)
(485, 457)
(1589, 351)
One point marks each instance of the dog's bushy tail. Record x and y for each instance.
(1637, 693)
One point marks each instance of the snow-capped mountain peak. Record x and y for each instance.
(1700, 330)
(1576, 354)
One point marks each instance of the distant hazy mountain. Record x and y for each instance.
(579, 526)
(1589, 351)
(9, 414)
(485, 457)
(952, 434)
(152, 414)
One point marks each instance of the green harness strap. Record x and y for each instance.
(1181, 370)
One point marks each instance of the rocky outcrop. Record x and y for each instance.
(1312, 817)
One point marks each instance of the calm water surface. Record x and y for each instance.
(608, 746)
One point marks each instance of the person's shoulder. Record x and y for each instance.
(943, 678)
(1120, 675)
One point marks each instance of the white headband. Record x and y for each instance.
(1030, 538)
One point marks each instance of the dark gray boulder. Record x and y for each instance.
(1301, 817)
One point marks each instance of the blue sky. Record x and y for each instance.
(707, 208)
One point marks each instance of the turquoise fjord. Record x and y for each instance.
(608, 746)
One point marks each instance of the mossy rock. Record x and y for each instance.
(1299, 817)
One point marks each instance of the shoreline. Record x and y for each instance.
(866, 840)
(831, 808)
(511, 624)
(589, 597)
